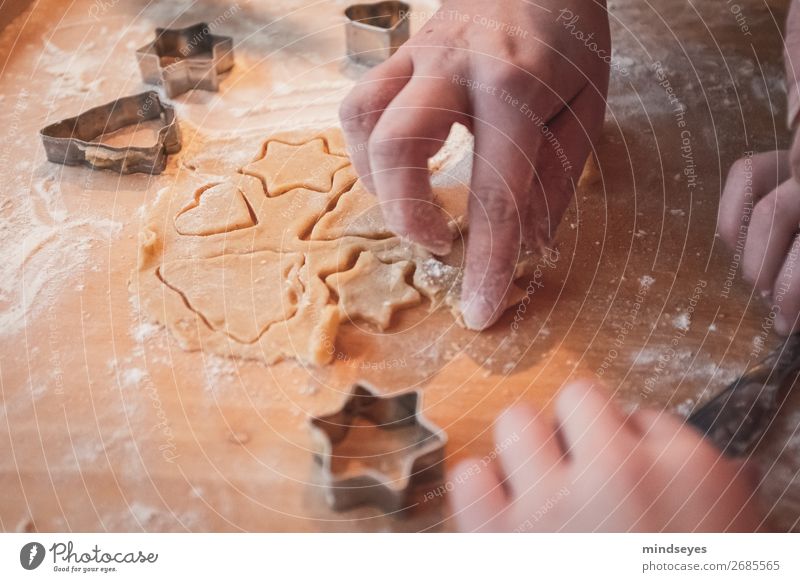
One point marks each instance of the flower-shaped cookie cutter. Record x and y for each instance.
(181, 59)
(375, 31)
(422, 457)
(75, 141)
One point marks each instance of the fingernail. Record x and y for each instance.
(477, 312)
(782, 325)
(438, 245)
(577, 388)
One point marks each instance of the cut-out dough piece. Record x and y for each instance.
(240, 295)
(357, 213)
(181, 280)
(373, 290)
(215, 210)
(285, 167)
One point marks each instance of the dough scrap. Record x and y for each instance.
(285, 167)
(373, 290)
(216, 209)
(441, 283)
(265, 264)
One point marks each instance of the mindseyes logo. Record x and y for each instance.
(31, 555)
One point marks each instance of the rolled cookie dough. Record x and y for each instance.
(266, 263)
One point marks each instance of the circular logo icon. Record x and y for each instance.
(31, 555)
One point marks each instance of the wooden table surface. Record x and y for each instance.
(108, 425)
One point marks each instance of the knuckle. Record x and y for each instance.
(764, 211)
(355, 112)
(622, 469)
(388, 145)
(785, 207)
(732, 228)
(499, 205)
(739, 169)
(728, 230)
(753, 262)
(508, 77)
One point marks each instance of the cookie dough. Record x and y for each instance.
(216, 209)
(284, 167)
(267, 263)
(373, 290)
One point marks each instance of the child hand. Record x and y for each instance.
(601, 470)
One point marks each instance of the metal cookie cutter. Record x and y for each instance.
(376, 31)
(737, 418)
(181, 59)
(421, 456)
(74, 142)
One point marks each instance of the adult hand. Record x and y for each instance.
(529, 80)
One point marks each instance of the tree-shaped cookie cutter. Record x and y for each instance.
(74, 141)
(375, 31)
(422, 458)
(181, 59)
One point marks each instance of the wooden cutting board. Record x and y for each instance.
(109, 425)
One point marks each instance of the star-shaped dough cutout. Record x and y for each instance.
(373, 290)
(285, 167)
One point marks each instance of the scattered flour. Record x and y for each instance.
(218, 370)
(132, 377)
(54, 250)
(646, 281)
(309, 390)
(685, 408)
(145, 330)
(682, 321)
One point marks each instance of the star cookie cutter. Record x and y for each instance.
(74, 142)
(375, 31)
(422, 456)
(181, 59)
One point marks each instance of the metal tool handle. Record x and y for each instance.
(739, 416)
